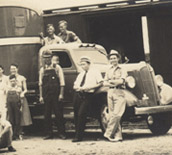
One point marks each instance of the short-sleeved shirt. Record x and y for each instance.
(69, 36)
(54, 40)
(17, 88)
(115, 73)
(93, 77)
(59, 73)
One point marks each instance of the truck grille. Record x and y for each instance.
(149, 86)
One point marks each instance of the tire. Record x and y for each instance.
(161, 123)
(104, 114)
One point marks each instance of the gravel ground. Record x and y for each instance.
(136, 142)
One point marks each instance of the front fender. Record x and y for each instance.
(165, 94)
(131, 99)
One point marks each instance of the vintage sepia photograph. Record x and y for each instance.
(86, 77)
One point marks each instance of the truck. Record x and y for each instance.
(142, 90)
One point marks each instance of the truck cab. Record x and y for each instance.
(142, 92)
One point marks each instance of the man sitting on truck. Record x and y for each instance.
(51, 38)
(66, 35)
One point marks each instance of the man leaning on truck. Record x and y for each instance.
(85, 85)
(115, 80)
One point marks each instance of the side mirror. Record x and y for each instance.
(159, 80)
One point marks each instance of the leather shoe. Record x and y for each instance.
(76, 140)
(48, 137)
(11, 149)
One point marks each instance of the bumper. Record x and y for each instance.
(152, 110)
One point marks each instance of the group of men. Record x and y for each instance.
(65, 36)
(52, 86)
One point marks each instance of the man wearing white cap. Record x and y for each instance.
(85, 85)
(115, 80)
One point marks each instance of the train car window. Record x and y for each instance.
(64, 59)
(20, 21)
(17, 22)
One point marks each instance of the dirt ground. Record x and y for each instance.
(136, 142)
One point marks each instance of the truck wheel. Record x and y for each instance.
(104, 117)
(159, 124)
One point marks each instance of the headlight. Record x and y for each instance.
(131, 82)
(159, 80)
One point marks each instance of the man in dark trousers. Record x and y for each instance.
(85, 85)
(51, 81)
(14, 105)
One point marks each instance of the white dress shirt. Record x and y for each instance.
(93, 77)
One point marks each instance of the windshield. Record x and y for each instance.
(17, 21)
(97, 57)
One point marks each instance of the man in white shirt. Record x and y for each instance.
(85, 85)
(6, 134)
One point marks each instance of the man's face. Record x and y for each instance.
(1, 71)
(13, 82)
(47, 61)
(85, 66)
(62, 27)
(113, 60)
(50, 30)
(13, 70)
(55, 60)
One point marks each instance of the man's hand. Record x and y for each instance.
(41, 100)
(85, 89)
(0, 135)
(41, 35)
(21, 108)
(61, 97)
(116, 82)
(22, 95)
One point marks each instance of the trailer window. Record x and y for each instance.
(64, 59)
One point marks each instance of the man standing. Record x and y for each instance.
(52, 84)
(66, 35)
(85, 85)
(51, 38)
(115, 80)
(6, 134)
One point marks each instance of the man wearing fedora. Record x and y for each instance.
(85, 85)
(115, 80)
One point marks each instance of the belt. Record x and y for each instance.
(117, 87)
(112, 87)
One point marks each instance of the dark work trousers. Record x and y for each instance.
(52, 105)
(51, 89)
(82, 102)
(14, 113)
